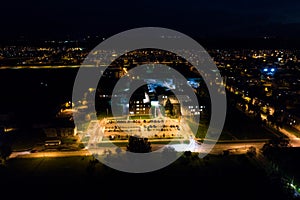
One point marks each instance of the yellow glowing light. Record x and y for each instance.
(91, 89)
(266, 89)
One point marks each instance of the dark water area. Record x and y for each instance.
(35, 94)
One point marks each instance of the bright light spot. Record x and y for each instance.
(147, 98)
(266, 89)
(154, 103)
(91, 89)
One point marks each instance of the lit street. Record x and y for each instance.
(235, 148)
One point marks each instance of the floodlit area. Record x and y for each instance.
(120, 129)
(150, 128)
(192, 146)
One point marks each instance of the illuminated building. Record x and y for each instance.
(139, 102)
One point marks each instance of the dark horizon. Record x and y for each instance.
(91, 40)
(37, 20)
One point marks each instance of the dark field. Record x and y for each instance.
(217, 177)
(35, 93)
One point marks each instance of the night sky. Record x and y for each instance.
(213, 18)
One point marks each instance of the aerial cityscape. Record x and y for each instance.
(151, 108)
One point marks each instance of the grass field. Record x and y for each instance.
(216, 177)
(237, 126)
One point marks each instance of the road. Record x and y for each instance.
(27, 154)
(233, 147)
(294, 140)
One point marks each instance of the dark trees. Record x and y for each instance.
(138, 145)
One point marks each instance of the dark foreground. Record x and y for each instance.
(216, 177)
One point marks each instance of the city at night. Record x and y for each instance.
(150, 99)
